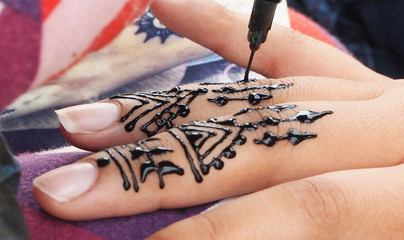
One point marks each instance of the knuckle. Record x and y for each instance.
(323, 202)
(208, 225)
(281, 95)
(295, 37)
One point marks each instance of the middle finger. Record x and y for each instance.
(126, 118)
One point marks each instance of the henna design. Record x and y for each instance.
(253, 98)
(294, 136)
(136, 151)
(163, 168)
(102, 162)
(164, 118)
(175, 103)
(277, 108)
(206, 144)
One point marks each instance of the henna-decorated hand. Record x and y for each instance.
(277, 139)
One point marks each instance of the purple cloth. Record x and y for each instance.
(29, 8)
(44, 226)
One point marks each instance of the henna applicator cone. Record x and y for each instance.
(261, 19)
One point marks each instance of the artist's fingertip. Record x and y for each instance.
(88, 118)
(68, 182)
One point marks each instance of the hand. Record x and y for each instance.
(282, 141)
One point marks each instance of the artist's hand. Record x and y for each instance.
(341, 118)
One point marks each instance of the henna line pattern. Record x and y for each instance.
(163, 168)
(253, 98)
(198, 177)
(294, 136)
(167, 115)
(164, 119)
(197, 135)
(126, 183)
(277, 108)
(135, 183)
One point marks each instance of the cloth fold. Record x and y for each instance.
(12, 224)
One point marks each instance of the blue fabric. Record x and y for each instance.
(372, 30)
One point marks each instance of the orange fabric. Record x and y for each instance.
(47, 7)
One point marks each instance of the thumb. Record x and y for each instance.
(339, 205)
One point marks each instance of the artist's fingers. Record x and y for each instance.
(285, 53)
(232, 155)
(124, 119)
(356, 204)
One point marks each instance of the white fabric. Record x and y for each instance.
(1, 7)
(82, 21)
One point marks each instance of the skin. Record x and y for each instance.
(345, 184)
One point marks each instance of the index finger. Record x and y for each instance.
(285, 53)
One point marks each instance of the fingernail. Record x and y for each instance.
(68, 182)
(88, 118)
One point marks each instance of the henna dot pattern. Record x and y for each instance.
(161, 108)
(206, 145)
(253, 98)
(294, 136)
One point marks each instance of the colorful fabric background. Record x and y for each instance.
(41, 43)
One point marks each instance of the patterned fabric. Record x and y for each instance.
(35, 33)
(91, 65)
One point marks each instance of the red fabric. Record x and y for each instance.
(127, 14)
(19, 53)
(47, 7)
(306, 26)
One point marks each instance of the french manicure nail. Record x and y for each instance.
(68, 182)
(88, 118)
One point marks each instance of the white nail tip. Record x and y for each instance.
(68, 182)
(66, 122)
(88, 118)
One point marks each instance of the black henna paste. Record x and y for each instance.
(294, 136)
(205, 144)
(126, 183)
(253, 98)
(178, 107)
(163, 168)
(136, 151)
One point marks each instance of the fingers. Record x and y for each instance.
(127, 118)
(236, 154)
(285, 53)
(339, 205)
